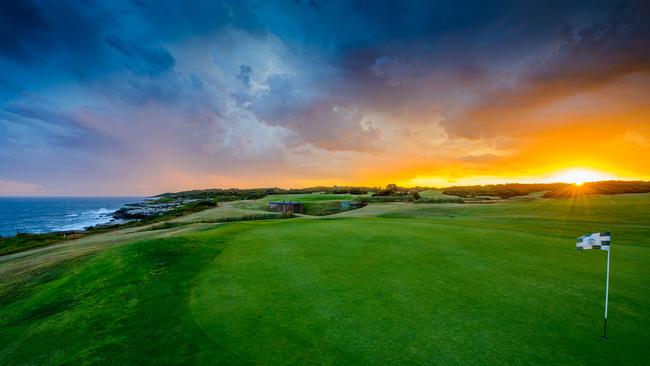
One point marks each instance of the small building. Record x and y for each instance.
(287, 206)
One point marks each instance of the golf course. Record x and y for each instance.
(388, 284)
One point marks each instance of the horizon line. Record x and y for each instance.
(97, 195)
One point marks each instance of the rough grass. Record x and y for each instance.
(23, 241)
(394, 283)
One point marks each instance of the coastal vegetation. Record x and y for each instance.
(235, 194)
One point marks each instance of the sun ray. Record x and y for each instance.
(579, 176)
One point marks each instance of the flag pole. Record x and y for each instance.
(606, 292)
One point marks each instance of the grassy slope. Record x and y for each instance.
(225, 210)
(317, 204)
(389, 284)
(308, 197)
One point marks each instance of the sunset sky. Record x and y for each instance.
(140, 97)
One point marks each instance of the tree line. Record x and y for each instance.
(506, 190)
(603, 187)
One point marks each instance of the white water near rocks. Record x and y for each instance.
(45, 214)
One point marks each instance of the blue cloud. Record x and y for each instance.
(58, 128)
(148, 60)
(244, 75)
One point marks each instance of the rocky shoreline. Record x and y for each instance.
(149, 207)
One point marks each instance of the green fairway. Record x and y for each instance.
(225, 210)
(393, 283)
(433, 193)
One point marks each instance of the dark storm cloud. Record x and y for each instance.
(33, 32)
(587, 58)
(612, 47)
(255, 81)
(21, 24)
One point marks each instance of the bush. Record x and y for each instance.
(348, 190)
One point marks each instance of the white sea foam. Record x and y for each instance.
(102, 211)
(87, 219)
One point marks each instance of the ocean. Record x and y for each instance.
(45, 214)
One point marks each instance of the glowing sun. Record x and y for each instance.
(580, 176)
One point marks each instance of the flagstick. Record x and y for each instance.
(606, 292)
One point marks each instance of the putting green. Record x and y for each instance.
(419, 290)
